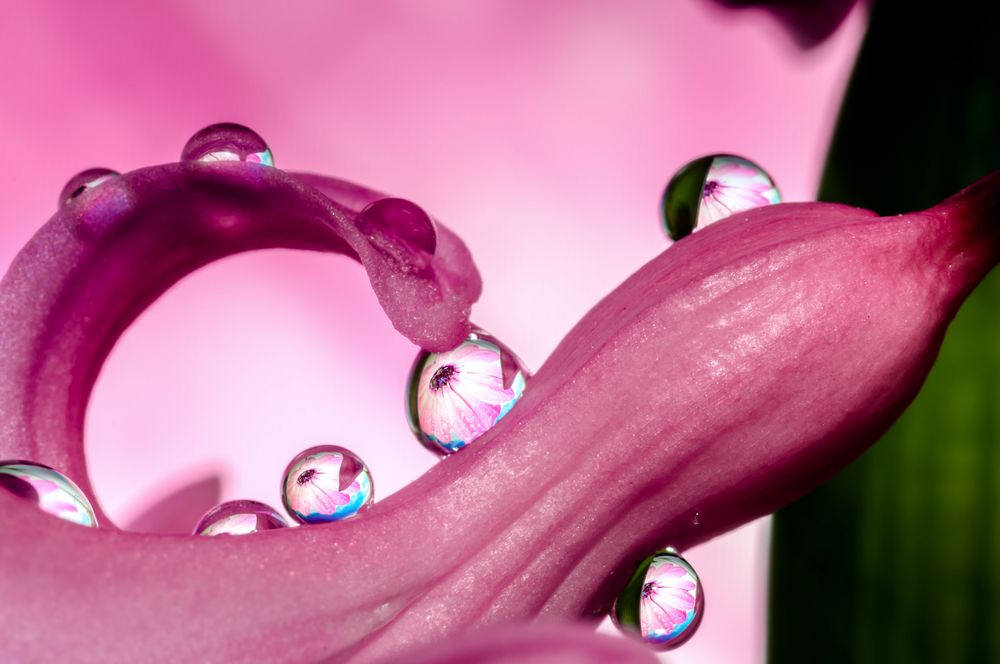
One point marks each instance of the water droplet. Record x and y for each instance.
(402, 220)
(239, 517)
(696, 519)
(662, 603)
(456, 396)
(48, 489)
(227, 141)
(712, 188)
(326, 483)
(84, 180)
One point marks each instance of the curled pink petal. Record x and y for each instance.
(725, 378)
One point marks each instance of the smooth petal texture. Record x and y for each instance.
(726, 377)
(535, 644)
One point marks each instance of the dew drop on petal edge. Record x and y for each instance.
(712, 188)
(83, 181)
(662, 603)
(239, 517)
(454, 397)
(326, 483)
(49, 489)
(227, 142)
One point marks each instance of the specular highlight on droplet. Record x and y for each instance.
(227, 141)
(712, 188)
(83, 181)
(49, 489)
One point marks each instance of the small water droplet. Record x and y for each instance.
(227, 141)
(326, 483)
(239, 517)
(662, 603)
(712, 188)
(83, 181)
(400, 219)
(454, 397)
(696, 519)
(49, 489)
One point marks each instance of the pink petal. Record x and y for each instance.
(794, 335)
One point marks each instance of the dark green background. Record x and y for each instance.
(898, 558)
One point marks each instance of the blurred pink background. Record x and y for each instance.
(542, 133)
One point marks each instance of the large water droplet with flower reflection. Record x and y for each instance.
(83, 181)
(227, 141)
(48, 489)
(662, 603)
(712, 188)
(239, 517)
(456, 396)
(326, 483)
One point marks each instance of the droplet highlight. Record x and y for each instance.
(83, 182)
(227, 141)
(239, 517)
(662, 603)
(712, 188)
(326, 483)
(49, 489)
(456, 396)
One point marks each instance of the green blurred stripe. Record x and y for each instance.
(898, 558)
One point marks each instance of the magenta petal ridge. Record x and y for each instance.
(725, 378)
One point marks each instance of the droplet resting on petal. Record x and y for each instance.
(454, 397)
(227, 141)
(84, 180)
(326, 483)
(712, 188)
(49, 489)
(239, 517)
(408, 221)
(663, 601)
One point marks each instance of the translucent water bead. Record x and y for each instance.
(402, 220)
(456, 396)
(663, 602)
(712, 188)
(326, 483)
(227, 141)
(48, 489)
(83, 181)
(239, 517)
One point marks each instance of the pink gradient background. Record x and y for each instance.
(542, 133)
